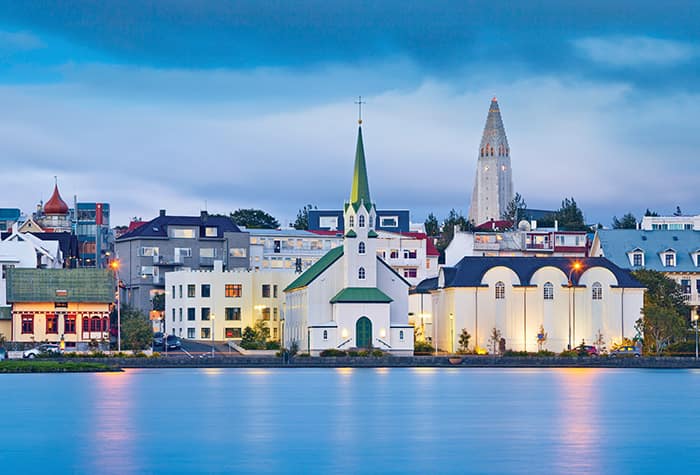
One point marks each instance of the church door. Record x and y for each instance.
(363, 333)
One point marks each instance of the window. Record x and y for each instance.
(206, 290)
(27, 324)
(266, 313)
(148, 251)
(181, 252)
(206, 311)
(173, 315)
(180, 291)
(191, 314)
(410, 272)
(233, 290)
(685, 285)
(51, 323)
(410, 253)
(69, 324)
(697, 286)
(266, 291)
(206, 333)
(597, 291)
(361, 273)
(500, 290)
(330, 222)
(361, 220)
(238, 252)
(351, 221)
(400, 334)
(182, 233)
(173, 292)
(394, 254)
(180, 313)
(232, 313)
(274, 291)
(274, 333)
(325, 334)
(361, 248)
(190, 332)
(548, 291)
(86, 324)
(638, 259)
(669, 259)
(207, 253)
(95, 324)
(276, 247)
(191, 290)
(274, 314)
(232, 332)
(389, 221)
(210, 231)
(147, 270)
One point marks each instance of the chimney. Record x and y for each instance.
(533, 224)
(204, 215)
(162, 213)
(556, 225)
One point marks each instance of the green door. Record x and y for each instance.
(363, 333)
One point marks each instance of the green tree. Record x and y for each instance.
(515, 209)
(248, 337)
(302, 221)
(648, 212)
(570, 217)
(495, 339)
(136, 329)
(628, 221)
(464, 338)
(262, 332)
(432, 226)
(3, 340)
(254, 219)
(159, 302)
(453, 219)
(665, 314)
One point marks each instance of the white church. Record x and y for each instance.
(351, 298)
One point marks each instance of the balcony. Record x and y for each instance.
(538, 246)
(167, 262)
(487, 246)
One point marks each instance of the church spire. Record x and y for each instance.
(494, 141)
(360, 185)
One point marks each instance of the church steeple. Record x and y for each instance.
(360, 185)
(494, 142)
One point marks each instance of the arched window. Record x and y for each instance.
(361, 273)
(361, 248)
(351, 221)
(492, 151)
(361, 220)
(400, 334)
(325, 334)
(482, 151)
(500, 290)
(548, 291)
(597, 291)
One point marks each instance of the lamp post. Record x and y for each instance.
(114, 265)
(696, 319)
(213, 328)
(574, 267)
(452, 333)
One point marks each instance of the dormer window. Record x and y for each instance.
(670, 259)
(637, 259)
(361, 220)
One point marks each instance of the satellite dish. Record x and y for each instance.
(524, 225)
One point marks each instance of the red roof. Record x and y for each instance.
(56, 205)
(135, 225)
(322, 232)
(494, 224)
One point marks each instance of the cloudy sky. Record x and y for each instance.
(174, 104)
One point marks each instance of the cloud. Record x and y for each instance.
(636, 51)
(12, 41)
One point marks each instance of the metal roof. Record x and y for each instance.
(60, 285)
(616, 243)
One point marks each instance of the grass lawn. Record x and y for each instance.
(52, 366)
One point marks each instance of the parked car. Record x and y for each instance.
(158, 340)
(44, 349)
(627, 350)
(173, 342)
(591, 350)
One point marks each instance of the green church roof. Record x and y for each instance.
(360, 185)
(310, 274)
(372, 234)
(361, 295)
(60, 285)
(351, 234)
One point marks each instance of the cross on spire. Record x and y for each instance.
(359, 103)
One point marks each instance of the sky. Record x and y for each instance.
(191, 104)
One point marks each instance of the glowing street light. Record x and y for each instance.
(575, 267)
(114, 265)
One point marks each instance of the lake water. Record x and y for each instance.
(352, 421)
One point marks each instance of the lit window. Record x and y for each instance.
(670, 260)
(548, 291)
(361, 248)
(210, 231)
(237, 252)
(361, 273)
(234, 290)
(638, 259)
(597, 291)
(500, 290)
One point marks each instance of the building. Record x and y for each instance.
(675, 253)
(525, 241)
(54, 304)
(351, 298)
(411, 254)
(493, 185)
(53, 216)
(397, 221)
(670, 223)
(8, 217)
(168, 243)
(289, 248)
(91, 223)
(12, 254)
(218, 305)
(517, 295)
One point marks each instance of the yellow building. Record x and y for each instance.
(54, 304)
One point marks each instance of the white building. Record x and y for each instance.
(289, 248)
(217, 304)
(351, 298)
(517, 295)
(493, 185)
(670, 223)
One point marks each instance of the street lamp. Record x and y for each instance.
(696, 318)
(213, 328)
(452, 333)
(576, 266)
(114, 265)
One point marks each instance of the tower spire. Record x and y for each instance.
(360, 185)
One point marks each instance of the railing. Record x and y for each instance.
(542, 246)
(206, 261)
(344, 343)
(383, 342)
(487, 246)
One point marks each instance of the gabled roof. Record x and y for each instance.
(616, 244)
(361, 295)
(158, 227)
(310, 274)
(425, 286)
(60, 285)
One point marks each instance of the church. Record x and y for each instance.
(350, 298)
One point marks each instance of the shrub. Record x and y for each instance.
(155, 354)
(377, 353)
(568, 354)
(352, 352)
(515, 353)
(139, 354)
(363, 353)
(683, 348)
(98, 354)
(423, 347)
(333, 352)
(303, 355)
(272, 345)
(545, 353)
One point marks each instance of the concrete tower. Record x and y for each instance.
(493, 185)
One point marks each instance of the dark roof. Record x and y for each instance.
(158, 227)
(60, 285)
(470, 271)
(310, 274)
(425, 286)
(616, 243)
(10, 213)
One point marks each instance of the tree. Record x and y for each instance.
(665, 314)
(448, 227)
(3, 340)
(159, 302)
(541, 338)
(302, 221)
(515, 209)
(495, 339)
(136, 329)
(248, 337)
(254, 219)
(678, 211)
(262, 332)
(628, 221)
(464, 338)
(569, 216)
(650, 213)
(599, 342)
(432, 226)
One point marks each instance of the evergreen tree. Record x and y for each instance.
(570, 217)
(302, 221)
(628, 221)
(254, 219)
(455, 218)
(432, 226)
(515, 209)
(648, 212)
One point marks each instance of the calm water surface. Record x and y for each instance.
(352, 421)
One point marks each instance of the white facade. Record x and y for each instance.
(569, 314)
(236, 299)
(670, 223)
(411, 255)
(280, 248)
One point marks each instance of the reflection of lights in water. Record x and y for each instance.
(344, 371)
(424, 371)
(212, 371)
(578, 413)
(382, 371)
(257, 372)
